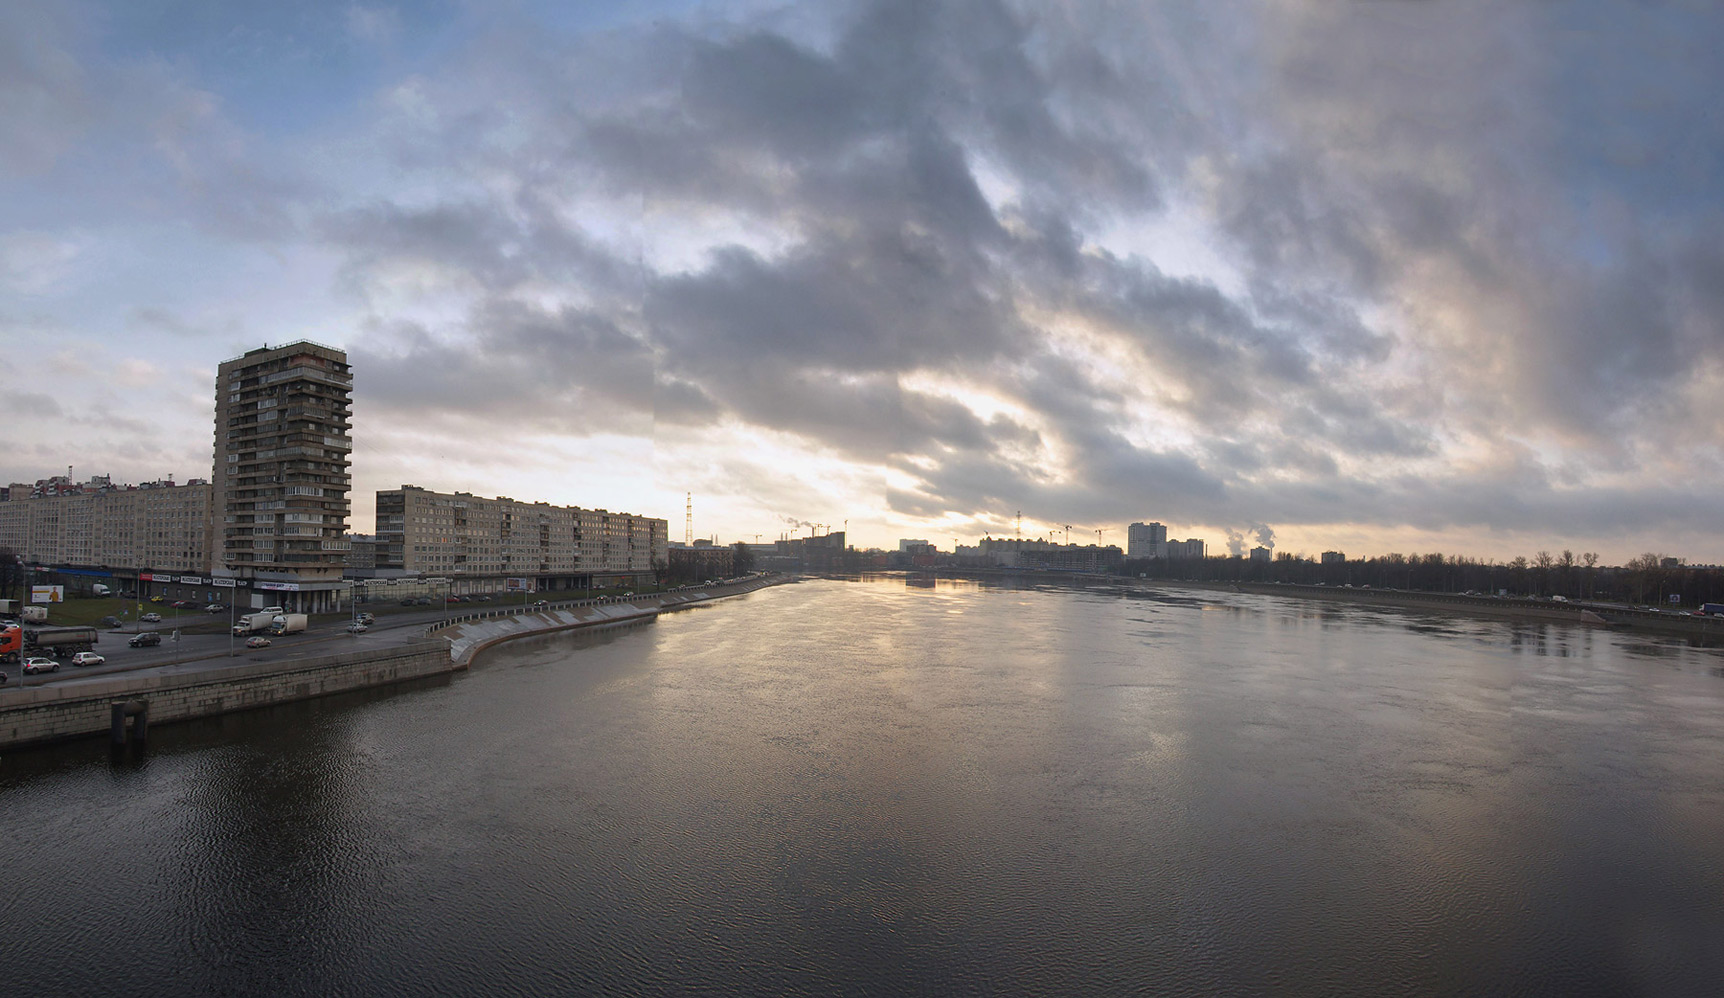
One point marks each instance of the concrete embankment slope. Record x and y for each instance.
(471, 634)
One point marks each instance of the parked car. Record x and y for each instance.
(158, 599)
(183, 604)
(109, 621)
(409, 601)
(148, 639)
(87, 658)
(423, 601)
(35, 665)
(258, 641)
(215, 608)
(151, 618)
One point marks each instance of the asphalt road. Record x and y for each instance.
(195, 651)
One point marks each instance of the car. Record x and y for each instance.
(257, 642)
(183, 604)
(151, 618)
(148, 639)
(109, 622)
(357, 628)
(409, 601)
(483, 597)
(540, 602)
(87, 658)
(34, 665)
(366, 618)
(215, 608)
(272, 609)
(158, 599)
(423, 601)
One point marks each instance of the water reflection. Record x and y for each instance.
(845, 787)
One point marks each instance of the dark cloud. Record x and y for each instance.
(1425, 245)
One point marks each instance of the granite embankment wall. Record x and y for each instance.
(60, 711)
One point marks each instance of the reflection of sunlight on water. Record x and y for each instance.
(868, 787)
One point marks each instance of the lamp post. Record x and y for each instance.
(24, 574)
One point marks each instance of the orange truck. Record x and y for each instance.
(11, 642)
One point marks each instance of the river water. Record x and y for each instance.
(870, 787)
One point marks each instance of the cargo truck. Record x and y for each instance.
(11, 643)
(60, 640)
(289, 623)
(252, 623)
(35, 615)
(100, 590)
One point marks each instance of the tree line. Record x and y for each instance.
(1650, 579)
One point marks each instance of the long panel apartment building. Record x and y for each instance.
(486, 541)
(108, 531)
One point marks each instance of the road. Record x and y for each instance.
(195, 651)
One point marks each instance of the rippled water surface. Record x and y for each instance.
(870, 788)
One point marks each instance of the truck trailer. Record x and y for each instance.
(289, 623)
(61, 640)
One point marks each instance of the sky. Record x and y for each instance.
(1376, 276)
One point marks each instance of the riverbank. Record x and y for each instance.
(209, 685)
(1702, 630)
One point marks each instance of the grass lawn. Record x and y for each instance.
(75, 612)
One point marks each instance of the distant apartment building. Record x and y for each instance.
(1012, 552)
(361, 553)
(699, 561)
(1334, 558)
(1260, 553)
(1146, 540)
(282, 453)
(460, 535)
(97, 530)
(1190, 548)
(905, 544)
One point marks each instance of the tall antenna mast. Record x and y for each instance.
(688, 523)
(1020, 524)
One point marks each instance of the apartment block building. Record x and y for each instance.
(1146, 540)
(123, 531)
(460, 535)
(281, 476)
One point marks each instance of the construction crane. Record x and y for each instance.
(1020, 524)
(1068, 534)
(688, 523)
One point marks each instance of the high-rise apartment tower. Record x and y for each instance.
(282, 452)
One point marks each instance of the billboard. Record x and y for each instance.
(518, 585)
(47, 594)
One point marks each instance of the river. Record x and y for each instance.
(874, 787)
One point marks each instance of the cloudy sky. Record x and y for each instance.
(1379, 276)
